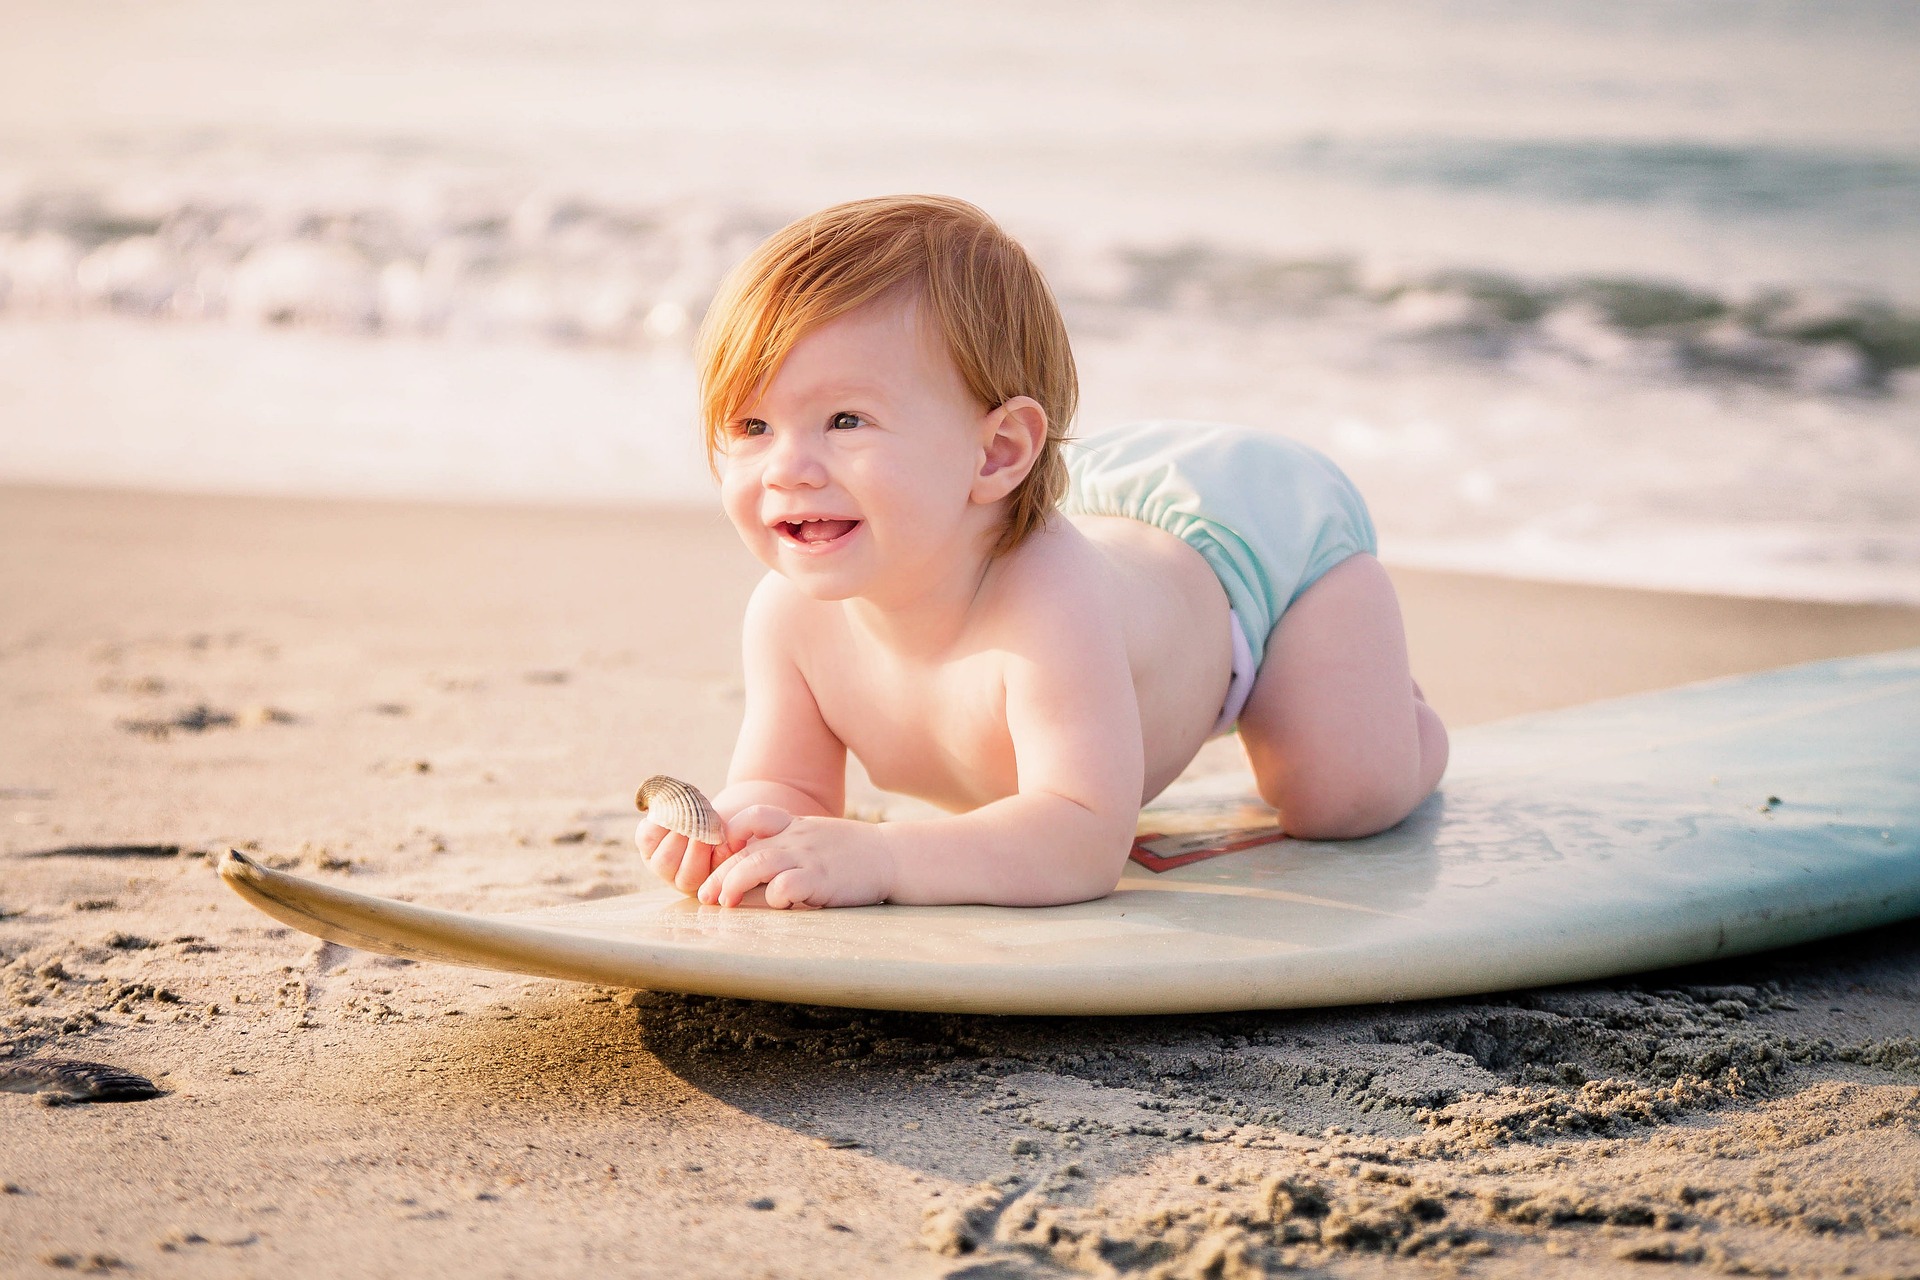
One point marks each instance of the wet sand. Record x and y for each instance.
(453, 704)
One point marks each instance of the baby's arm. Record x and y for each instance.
(786, 759)
(1074, 723)
(1065, 836)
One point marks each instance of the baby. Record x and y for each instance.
(1034, 634)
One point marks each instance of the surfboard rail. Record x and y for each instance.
(1694, 824)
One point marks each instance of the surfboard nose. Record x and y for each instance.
(235, 865)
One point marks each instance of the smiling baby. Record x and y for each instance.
(1033, 633)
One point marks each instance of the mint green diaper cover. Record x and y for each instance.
(1269, 514)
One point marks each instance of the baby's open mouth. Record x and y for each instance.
(814, 532)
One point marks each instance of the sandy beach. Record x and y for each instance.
(452, 704)
(1576, 294)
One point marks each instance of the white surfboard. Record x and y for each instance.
(1656, 830)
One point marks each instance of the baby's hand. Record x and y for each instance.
(803, 862)
(682, 862)
(685, 863)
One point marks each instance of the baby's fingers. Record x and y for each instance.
(756, 822)
(667, 856)
(730, 882)
(695, 867)
(795, 889)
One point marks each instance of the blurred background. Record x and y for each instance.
(1623, 293)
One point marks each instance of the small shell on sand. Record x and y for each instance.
(680, 806)
(63, 1080)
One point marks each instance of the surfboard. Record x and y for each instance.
(1655, 830)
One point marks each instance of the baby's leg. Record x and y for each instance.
(1340, 739)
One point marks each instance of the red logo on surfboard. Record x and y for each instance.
(1158, 852)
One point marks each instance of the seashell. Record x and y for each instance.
(680, 806)
(65, 1080)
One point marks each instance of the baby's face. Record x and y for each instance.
(852, 474)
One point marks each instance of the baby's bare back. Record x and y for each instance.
(1177, 638)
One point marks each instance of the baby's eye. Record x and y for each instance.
(845, 421)
(749, 427)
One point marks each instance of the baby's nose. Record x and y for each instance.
(792, 462)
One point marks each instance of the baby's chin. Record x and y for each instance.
(815, 589)
(814, 583)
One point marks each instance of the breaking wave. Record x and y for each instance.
(571, 271)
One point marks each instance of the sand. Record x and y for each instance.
(454, 704)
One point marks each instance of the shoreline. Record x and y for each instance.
(1579, 641)
(1415, 565)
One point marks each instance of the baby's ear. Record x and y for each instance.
(1012, 436)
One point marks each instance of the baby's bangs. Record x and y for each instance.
(784, 291)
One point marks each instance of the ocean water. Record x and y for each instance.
(1624, 293)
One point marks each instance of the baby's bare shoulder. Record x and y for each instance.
(778, 608)
(1056, 578)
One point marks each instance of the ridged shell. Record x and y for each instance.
(679, 806)
(59, 1080)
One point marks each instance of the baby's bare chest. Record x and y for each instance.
(936, 733)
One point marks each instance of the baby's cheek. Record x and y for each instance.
(741, 503)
